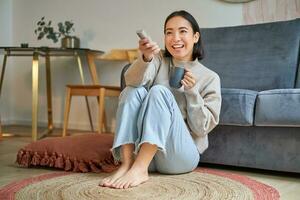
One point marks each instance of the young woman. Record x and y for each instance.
(160, 128)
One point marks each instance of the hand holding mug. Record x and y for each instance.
(188, 80)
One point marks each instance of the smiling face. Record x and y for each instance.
(180, 38)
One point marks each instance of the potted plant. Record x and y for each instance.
(45, 29)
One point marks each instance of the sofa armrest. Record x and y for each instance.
(237, 107)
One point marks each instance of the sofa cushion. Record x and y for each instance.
(279, 107)
(237, 107)
(256, 57)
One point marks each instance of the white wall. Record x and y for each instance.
(100, 24)
(6, 40)
(5, 22)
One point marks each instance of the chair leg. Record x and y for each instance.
(101, 109)
(104, 120)
(67, 111)
(0, 129)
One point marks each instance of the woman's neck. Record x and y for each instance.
(179, 61)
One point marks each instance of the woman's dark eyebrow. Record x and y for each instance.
(168, 29)
(183, 27)
(180, 28)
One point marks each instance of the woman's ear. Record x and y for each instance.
(196, 37)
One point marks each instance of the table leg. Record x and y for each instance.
(86, 98)
(80, 68)
(92, 67)
(1, 82)
(49, 93)
(35, 87)
(2, 72)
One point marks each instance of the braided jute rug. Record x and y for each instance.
(201, 184)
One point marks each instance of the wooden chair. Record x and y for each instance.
(100, 91)
(89, 90)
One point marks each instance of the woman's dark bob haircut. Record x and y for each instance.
(198, 51)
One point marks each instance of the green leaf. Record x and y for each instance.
(61, 28)
(51, 30)
(53, 38)
(67, 23)
(41, 35)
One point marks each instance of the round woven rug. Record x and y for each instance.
(200, 184)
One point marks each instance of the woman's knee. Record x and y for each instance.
(131, 93)
(159, 91)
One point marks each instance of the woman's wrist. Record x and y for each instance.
(147, 59)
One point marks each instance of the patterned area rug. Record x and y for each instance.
(204, 184)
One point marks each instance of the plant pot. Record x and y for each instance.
(70, 42)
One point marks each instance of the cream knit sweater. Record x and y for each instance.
(200, 106)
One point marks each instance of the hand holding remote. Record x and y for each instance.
(142, 34)
(148, 47)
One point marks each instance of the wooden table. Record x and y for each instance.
(113, 55)
(35, 53)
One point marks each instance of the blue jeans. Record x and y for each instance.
(154, 117)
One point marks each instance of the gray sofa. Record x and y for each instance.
(260, 76)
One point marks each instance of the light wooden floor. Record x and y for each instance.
(287, 184)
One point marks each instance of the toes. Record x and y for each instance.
(122, 185)
(109, 182)
(116, 183)
(106, 184)
(127, 185)
(104, 181)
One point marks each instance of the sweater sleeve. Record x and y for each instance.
(203, 107)
(142, 73)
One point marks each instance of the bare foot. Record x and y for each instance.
(132, 178)
(108, 181)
